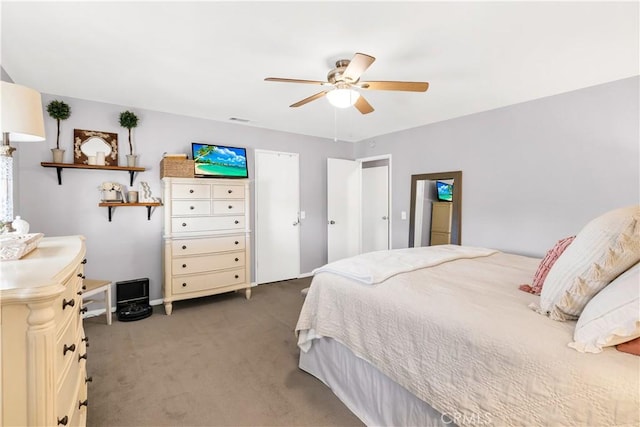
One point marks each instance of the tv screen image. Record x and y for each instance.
(219, 161)
(445, 191)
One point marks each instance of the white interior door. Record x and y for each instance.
(343, 208)
(375, 208)
(277, 225)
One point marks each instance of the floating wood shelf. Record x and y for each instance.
(111, 205)
(59, 166)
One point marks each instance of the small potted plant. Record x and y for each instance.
(129, 120)
(111, 191)
(58, 110)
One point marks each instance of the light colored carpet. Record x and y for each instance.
(216, 361)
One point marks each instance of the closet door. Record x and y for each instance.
(375, 208)
(343, 208)
(277, 224)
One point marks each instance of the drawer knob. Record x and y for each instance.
(230, 206)
(85, 339)
(67, 348)
(66, 303)
(81, 275)
(88, 380)
(237, 259)
(83, 403)
(184, 285)
(79, 292)
(236, 276)
(82, 356)
(236, 242)
(236, 221)
(229, 191)
(191, 207)
(84, 261)
(184, 224)
(63, 421)
(191, 191)
(83, 310)
(184, 246)
(184, 265)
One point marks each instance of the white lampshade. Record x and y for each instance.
(21, 112)
(343, 98)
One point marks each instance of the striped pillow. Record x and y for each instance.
(604, 248)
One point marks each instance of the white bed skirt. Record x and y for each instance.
(369, 394)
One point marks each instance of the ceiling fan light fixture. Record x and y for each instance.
(343, 98)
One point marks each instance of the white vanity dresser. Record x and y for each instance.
(206, 238)
(44, 380)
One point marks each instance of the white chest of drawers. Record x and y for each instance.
(206, 238)
(43, 343)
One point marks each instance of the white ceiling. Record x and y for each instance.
(209, 59)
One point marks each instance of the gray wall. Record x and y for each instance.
(129, 247)
(534, 172)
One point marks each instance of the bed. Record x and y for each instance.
(443, 336)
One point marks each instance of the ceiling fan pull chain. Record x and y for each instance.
(335, 125)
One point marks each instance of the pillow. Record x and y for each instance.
(631, 347)
(604, 248)
(545, 265)
(611, 317)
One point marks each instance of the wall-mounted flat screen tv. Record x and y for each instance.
(445, 191)
(219, 161)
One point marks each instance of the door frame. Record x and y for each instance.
(390, 191)
(255, 210)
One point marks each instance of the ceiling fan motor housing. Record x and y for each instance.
(336, 75)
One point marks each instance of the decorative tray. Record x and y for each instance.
(15, 246)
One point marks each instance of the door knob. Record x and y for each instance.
(296, 223)
(332, 222)
(385, 217)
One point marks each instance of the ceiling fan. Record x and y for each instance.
(343, 81)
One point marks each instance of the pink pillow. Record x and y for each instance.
(545, 265)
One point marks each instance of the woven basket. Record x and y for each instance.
(179, 168)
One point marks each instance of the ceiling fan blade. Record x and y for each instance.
(278, 79)
(357, 66)
(363, 106)
(391, 85)
(308, 99)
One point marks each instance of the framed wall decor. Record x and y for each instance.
(88, 143)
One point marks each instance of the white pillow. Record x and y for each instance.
(611, 317)
(604, 248)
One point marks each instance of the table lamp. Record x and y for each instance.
(21, 120)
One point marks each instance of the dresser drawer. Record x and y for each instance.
(191, 191)
(191, 224)
(228, 191)
(69, 389)
(207, 281)
(69, 341)
(228, 207)
(70, 301)
(191, 207)
(208, 245)
(201, 264)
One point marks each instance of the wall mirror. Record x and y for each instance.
(436, 207)
(88, 143)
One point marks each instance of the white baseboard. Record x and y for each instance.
(303, 275)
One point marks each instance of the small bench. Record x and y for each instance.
(94, 287)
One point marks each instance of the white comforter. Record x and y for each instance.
(376, 267)
(459, 335)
